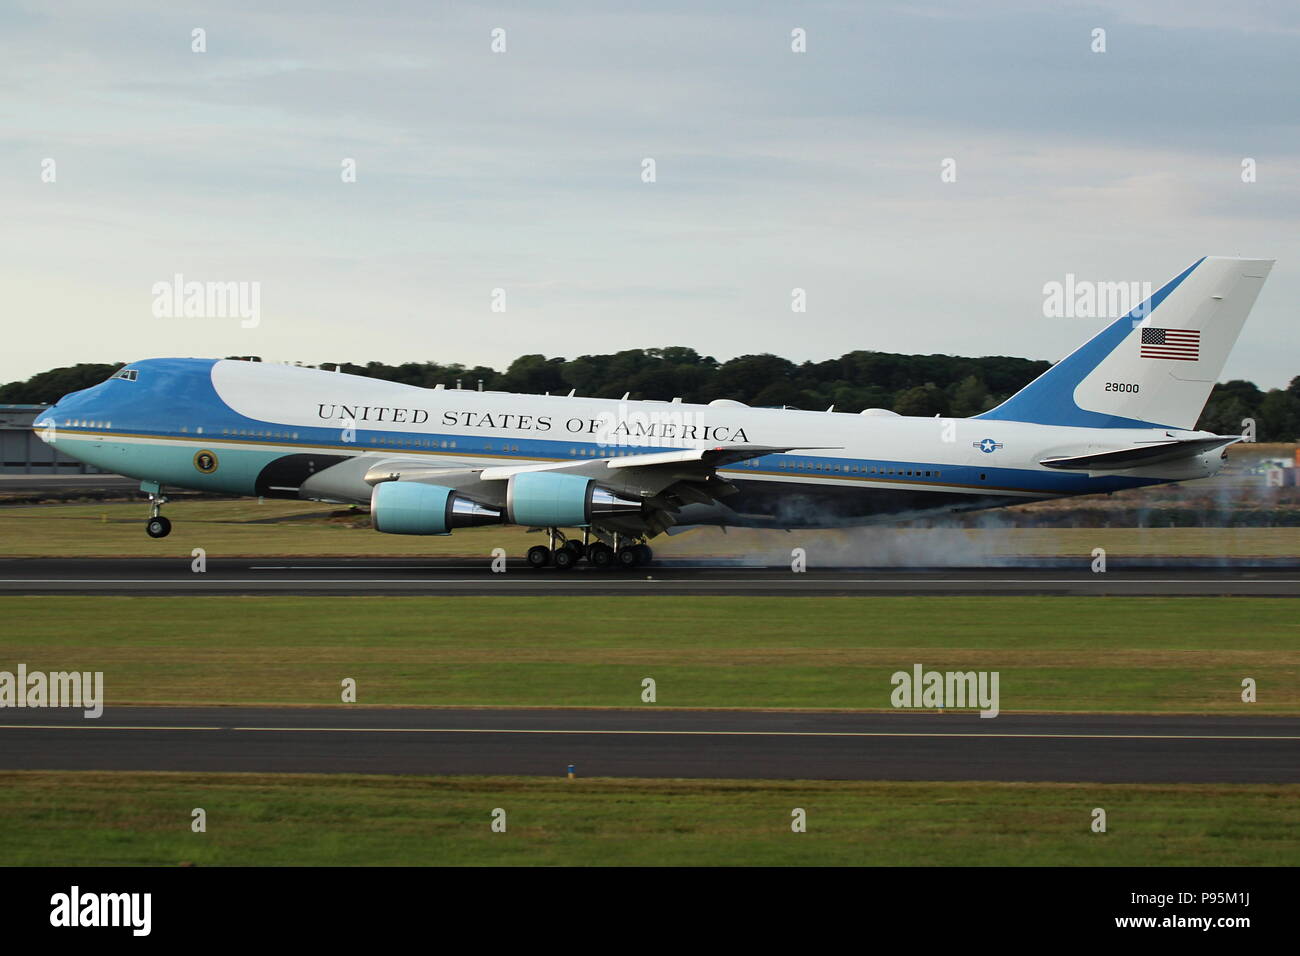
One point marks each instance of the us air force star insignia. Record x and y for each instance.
(987, 445)
(206, 462)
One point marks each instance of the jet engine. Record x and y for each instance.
(410, 507)
(545, 499)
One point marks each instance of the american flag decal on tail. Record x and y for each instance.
(1180, 345)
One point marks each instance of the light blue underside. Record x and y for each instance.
(236, 472)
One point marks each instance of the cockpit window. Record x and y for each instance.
(127, 374)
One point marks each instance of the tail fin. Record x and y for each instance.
(1155, 367)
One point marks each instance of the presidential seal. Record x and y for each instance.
(206, 462)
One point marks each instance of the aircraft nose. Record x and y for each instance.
(45, 424)
(75, 410)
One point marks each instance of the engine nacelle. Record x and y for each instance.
(547, 499)
(409, 507)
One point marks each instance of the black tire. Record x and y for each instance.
(600, 555)
(539, 556)
(564, 559)
(646, 554)
(158, 527)
(628, 558)
(579, 552)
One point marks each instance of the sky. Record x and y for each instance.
(523, 171)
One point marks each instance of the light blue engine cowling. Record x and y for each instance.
(545, 499)
(409, 507)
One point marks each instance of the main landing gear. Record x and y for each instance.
(563, 554)
(157, 526)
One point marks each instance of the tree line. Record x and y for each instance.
(925, 385)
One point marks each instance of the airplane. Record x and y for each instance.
(602, 477)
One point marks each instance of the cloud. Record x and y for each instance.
(522, 171)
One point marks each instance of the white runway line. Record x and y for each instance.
(92, 725)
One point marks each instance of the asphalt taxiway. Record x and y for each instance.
(652, 742)
(431, 576)
(67, 483)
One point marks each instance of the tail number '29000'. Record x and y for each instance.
(1121, 387)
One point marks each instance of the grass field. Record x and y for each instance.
(1053, 653)
(67, 819)
(245, 528)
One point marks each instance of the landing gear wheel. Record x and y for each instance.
(564, 559)
(646, 555)
(600, 555)
(158, 527)
(539, 556)
(576, 547)
(628, 558)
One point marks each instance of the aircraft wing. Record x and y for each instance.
(666, 481)
(701, 461)
(1139, 456)
(689, 459)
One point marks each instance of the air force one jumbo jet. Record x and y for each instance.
(603, 476)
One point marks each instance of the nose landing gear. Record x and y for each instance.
(157, 526)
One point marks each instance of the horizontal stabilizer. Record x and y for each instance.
(1139, 456)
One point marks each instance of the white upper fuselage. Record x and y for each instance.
(253, 418)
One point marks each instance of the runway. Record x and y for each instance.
(431, 576)
(658, 743)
